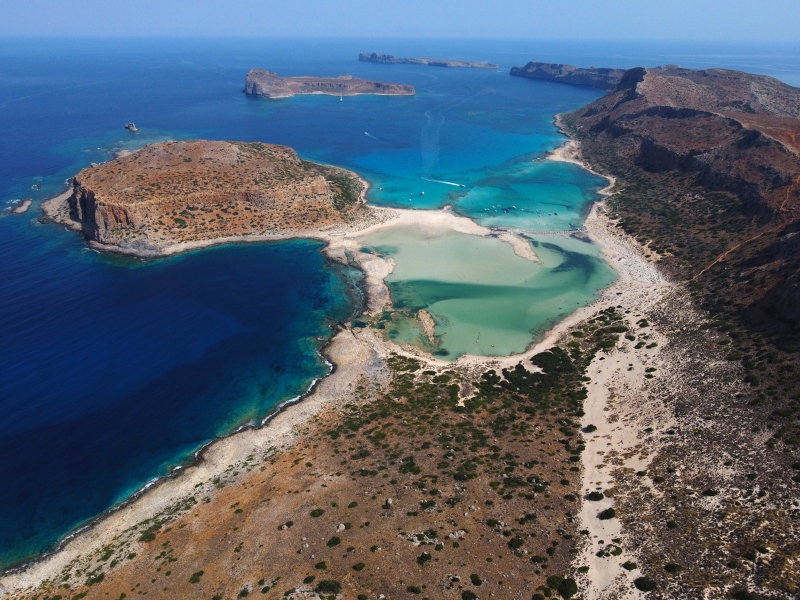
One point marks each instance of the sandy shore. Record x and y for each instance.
(351, 357)
(638, 284)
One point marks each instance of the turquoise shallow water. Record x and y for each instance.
(484, 299)
(112, 371)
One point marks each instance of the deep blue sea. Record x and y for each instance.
(114, 370)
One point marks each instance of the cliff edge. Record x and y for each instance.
(605, 79)
(266, 84)
(196, 192)
(712, 163)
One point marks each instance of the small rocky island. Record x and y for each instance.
(391, 59)
(175, 196)
(605, 79)
(266, 84)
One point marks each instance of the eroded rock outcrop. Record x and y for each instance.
(605, 79)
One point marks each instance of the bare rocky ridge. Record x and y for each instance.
(605, 79)
(707, 171)
(266, 84)
(391, 59)
(725, 144)
(188, 194)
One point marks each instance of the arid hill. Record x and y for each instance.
(391, 59)
(720, 148)
(200, 191)
(266, 84)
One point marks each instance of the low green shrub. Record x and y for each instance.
(328, 586)
(644, 584)
(195, 578)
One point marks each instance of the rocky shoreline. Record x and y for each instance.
(391, 59)
(265, 84)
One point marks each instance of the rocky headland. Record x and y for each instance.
(265, 84)
(178, 195)
(391, 59)
(707, 169)
(724, 144)
(605, 79)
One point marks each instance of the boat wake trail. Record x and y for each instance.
(429, 140)
(369, 135)
(444, 182)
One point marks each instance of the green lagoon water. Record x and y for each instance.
(485, 299)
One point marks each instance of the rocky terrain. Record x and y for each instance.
(605, 79)
(266, 84)
(391, 59)
(648, 447)
(708, 183)
(175, 195)
(712, 165)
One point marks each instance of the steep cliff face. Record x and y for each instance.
(199, 190)
(605, 79)
(673, 119)
(709, 165)
(391, 59)
(266, 84)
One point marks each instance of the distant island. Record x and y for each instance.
(266, 84)
(605, 79)
(174, 196)
(391, 59)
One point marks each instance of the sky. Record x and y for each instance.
(702, 20)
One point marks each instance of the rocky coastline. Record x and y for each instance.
(391, 59)
(671, 466)
(175, 196)
(265, 84)
(604, 79)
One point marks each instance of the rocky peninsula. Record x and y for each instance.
(266, 84)
(178, 195)
(391, 59)
(605, 79)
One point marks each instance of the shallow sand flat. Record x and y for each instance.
(484, 297)
(638, 281)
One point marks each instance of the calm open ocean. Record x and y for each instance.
(113, 370)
